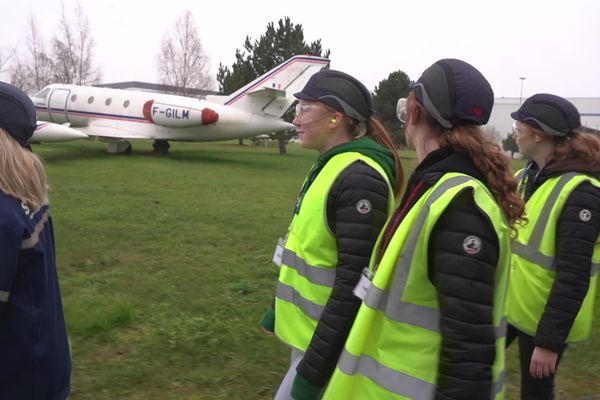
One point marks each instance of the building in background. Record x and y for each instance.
(589, 108)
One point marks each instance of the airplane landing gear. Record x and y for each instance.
(161, 147)
(122, 147)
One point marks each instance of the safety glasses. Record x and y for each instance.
(303, 109)
(302, 112)
(401, 110)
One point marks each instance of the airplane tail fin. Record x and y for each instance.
(273, 92)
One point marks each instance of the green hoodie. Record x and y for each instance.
(366, 146)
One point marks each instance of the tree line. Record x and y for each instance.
(183, 63)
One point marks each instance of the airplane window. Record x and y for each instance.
(42, 94)
(126, 103)
(74, 97)
(108, 101)
(91, 100)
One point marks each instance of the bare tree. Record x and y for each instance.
(492, 132)
(40, 66)
(33, 70)
(5, 57)
(73, 50)
(182, 61)
(20, 76)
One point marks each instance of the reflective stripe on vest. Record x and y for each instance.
(288, 293)
(318, 275)
(417, 315)
(395, 381)
(531, 251)
(410, 313)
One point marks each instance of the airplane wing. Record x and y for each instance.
(108, 132)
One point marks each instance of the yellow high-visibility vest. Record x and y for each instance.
(533, 265)
(393, 350)
(310, 257)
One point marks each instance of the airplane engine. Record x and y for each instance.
(174, 116)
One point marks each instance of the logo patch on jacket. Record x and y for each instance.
(472, 245)
(585, 215)
(364, 206)
(25, 208)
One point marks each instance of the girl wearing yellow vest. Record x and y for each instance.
(342, 206)
(431, 325)
(556, 255)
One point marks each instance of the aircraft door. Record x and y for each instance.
(57, 105)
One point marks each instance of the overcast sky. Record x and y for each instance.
(554, 44)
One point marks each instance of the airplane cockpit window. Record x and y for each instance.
(74, 97)
(43, 94)
(91, 100)
(126, 103)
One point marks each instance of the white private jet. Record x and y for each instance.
(116, 115)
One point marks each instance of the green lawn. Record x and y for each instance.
(165, 267)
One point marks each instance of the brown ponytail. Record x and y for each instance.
(584, 147)
(493, 164)
(381, 135)
(377, 131)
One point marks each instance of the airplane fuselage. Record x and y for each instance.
(128, 114)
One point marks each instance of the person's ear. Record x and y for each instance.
(414, 113)
(334, 120)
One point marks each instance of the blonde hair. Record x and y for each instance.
(22, 173)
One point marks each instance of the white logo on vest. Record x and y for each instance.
(585, 215)
(364, 206)
(472, 245)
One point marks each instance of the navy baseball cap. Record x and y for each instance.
(17, 113)
(455, 93)
(549, 113)
(340, 91)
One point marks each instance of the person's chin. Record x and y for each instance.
(304, 144)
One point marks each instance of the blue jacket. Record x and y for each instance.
(36, 361)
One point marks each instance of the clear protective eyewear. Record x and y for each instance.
(401, 109)
(523, 132)
(302, 110)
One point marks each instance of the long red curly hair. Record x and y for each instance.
(487, 156)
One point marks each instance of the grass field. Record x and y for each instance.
(165, 267)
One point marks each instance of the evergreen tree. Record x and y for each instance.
(276, 45)
(387, 93)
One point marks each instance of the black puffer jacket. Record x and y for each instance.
(464, 282)
(576, 240)
(356, 211)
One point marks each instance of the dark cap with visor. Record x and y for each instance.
(455, 93)
(549, 113)
(341, 92)
(17, 113)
